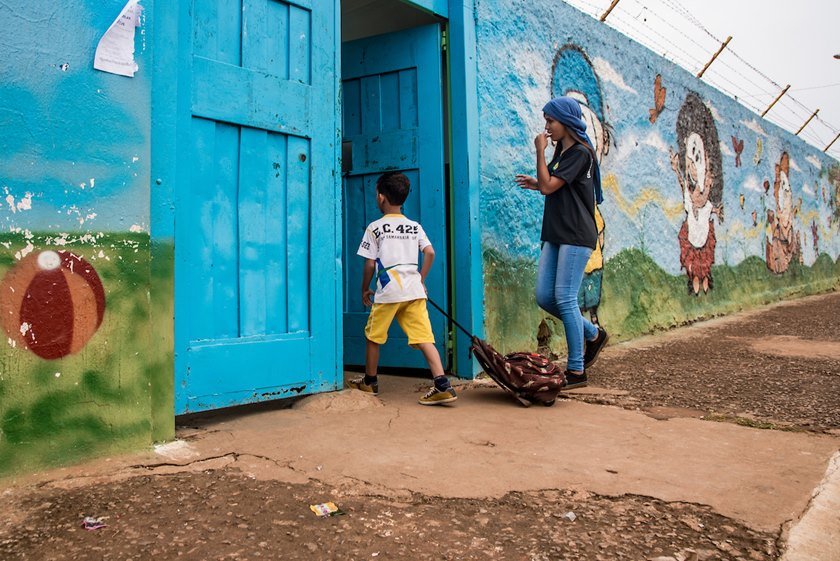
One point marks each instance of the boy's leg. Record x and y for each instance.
(442, 391)
(376, 333)
(413, 318)
(371, 358)
(432, 356)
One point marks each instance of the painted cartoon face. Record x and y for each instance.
(596, 132)
(785, 195)
(695, 169)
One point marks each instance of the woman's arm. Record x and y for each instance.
(546, 183)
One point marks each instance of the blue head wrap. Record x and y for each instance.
(566, 110)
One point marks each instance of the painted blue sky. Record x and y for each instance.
(74, 148)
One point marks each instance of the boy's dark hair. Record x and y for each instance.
(394, 186)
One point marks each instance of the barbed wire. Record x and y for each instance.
(823, 87)
(630, 18)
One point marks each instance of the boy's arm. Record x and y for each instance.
(367, 276)
(428, 259)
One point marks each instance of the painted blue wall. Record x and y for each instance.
(75, 138)
(520, 67)
(74, 177)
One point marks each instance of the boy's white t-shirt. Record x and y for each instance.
(395, 242)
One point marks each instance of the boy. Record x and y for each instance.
(390, 246)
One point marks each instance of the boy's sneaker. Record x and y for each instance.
(592, 349)
(359, 384)
(437, 397)
(574, 380)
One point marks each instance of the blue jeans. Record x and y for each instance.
(559, 276)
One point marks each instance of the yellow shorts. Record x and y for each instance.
(412, 316)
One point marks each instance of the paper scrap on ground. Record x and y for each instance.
(326, 509)
(93, 523)
(115, 51)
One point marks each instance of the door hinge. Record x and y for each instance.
(444, 40)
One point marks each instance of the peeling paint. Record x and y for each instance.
(24, 252)
(60, 177)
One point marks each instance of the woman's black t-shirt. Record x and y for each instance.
(569, 215)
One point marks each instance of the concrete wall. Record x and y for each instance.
(77, 371)
(765, 228)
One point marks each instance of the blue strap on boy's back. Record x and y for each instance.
(382, 275)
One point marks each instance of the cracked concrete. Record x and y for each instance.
(485, 446)
(816, 536)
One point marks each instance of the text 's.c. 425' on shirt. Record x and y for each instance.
(395, 243)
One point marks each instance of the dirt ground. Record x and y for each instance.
(775, 369)
(779, 368)
(225, 515)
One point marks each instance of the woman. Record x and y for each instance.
(571, 183)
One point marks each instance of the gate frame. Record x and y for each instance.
(467, 274)
(171, 99)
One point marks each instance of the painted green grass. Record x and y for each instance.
(160, 368)
(638, 297)
(98, 401)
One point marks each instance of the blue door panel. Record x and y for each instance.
(213, 245)
(255, 255)
(393, 118)
(230, 93)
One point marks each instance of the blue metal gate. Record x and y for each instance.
(393, 120)
(255, 227)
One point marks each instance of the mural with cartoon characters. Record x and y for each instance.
(782, 240)
(699, 175)
(731, 235)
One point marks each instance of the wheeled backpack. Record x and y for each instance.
(529, 377)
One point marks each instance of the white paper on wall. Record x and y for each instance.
(115, 51)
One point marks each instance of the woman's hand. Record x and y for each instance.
(541, 141)
(527, 182)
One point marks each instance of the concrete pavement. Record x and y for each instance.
(486, 445)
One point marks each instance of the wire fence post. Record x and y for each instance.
(720, 50)
(610, 9)
(778, 97)
(832, 142)
(628, 28)
(814, 114)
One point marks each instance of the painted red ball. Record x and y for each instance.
(52, 302)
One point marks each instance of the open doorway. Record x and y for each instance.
(393, 107)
